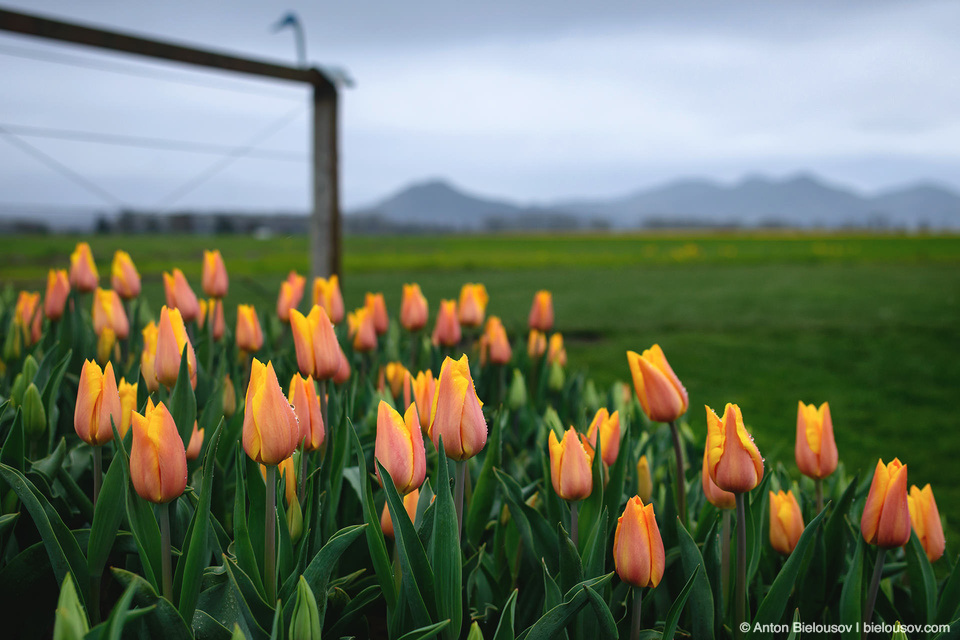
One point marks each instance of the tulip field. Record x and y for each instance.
(637, 436)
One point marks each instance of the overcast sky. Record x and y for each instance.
(533, 100)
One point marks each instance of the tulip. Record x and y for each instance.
(541, 313)
(128, 405)
(316, 343)
(608, 424)
(394, 372)
(816, 451)
(171, 341)
(148, 356)
(343, 371)
(715, 495)
(229, 398)
(108, 311)
(28, 317)
(886, 515)
(249, 335)
(536, 344)
(413, 308)
(302, 395)
(570, 466)
(212, 311)
(196, 442)
(180, 296)
(58, 288)
(637, 547)
(83, 270)
(447, 330)
(399, 447)
(124, 276)
(410, 506)
(362, 330)
(378, 309)
(107, 346)
(287, 471)
(270, 428)
(786, 522)
(214, 279)
(494, 344)
(644, 480)
(424, 386)
(456, 412)
(925, 519)
(661, 395)
(473, 304)
(98, 401)
(556, 354)
(158, 461)
(291, 293)
(734, 461)
(326, 293)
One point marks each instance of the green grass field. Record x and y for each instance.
(869, 323)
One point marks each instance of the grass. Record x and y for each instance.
(869, 323)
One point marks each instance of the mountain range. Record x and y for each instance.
(802, 201)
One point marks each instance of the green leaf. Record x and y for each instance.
(164, 620)
(143, 522)
(923, 587)
(595, 549)
(836, 533)
(118, 615)
(571, 570)
(557, 618)
(242, 547)
(484, 493)
(445, 550)
(851, 596)
(256, 610)
(12, 453)
(702, 605)
(106, 517)
(950, 598)
(673, 615)
(70, 620)
(536, 533)
(505, 626)
(430, 631)
(613, 495)
(51, 390)
(354, 610)
(183, 402)
(756, 512)
(50, 465)
(592, 505)
(606, 626)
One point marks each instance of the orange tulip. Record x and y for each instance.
(410, 506)
(536, 344)
(734, 464)
(270, 428)
(556, 354)
(494, 344)
(786, 522)
(171, 340)
(83, 270)
(196, 442)
(637, 547)
(229, 398)
(287, 470)
(447, 330)
(108, 311)
(925, 519)
(148, 357)
(316, 343)
(343, 371)
(128, 405)
(570, 466)
(124, 276)
(541, 313)
(473, 304)
(456, 413)
(378, 309)
(180, 296)
(98, 402)
(394, 372)
(28, 317)
(424, 387)
(107, 346)
(362, 330)
(399, 447)
(715, 495)
(658, 388)
(644, 480)
(158, 461)
(326, 293)
(291, 293)
(413, 308)
(886, 514)
(58, 288)
(212, 311)
(214, 279)
(608, 424)
(249, 335)
(302, 395)
(816, 450)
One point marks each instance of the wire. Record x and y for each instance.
(144, 142)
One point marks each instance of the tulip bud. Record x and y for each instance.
(715, 495)
(886, 514)
(124, 276)
(473, 304)
(456, 413)
(180, 296)
(27, 316)
(608, 424)
(816, 451)
(786, 522)
(128, 405)
(214, 276)
(108, 312)
(494, 344)
(378, 310)
(171, 340)
(591, 400)
(925, 519)
(570, 466)
(158, 462)
(447, 330)
(658, 388)
(302, 395)
(288, 474)
(410, 506)
(637, 547)
(229, 398)
(291, 293)
(196, 442)
(83, 271)
(413, 308)
(148, 357)
(18, 388)
(98, 401)
(58, 288)
(316, 343)
(556, 354)
(517, 394)
(305, 623)
(734, 464)
(424, 387)
(399, 447)
(644, 480)
(270, 429)
(362, 330)
(394, 372)
(212, 311)
(555, 377)
(34, 415)
(294, 522)
(536, 344)
(30, 368)
(541, 313)
(326, 293)
(249, 334)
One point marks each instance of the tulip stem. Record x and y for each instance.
(725, 556)
(635, 620)
(741, 586)
(818, 483)
(97, 473)
(461, 480)
(874, 585)
(574, 523)
(165, 559)
(270, 536)
(681, 476)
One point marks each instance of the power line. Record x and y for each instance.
(145, 142)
